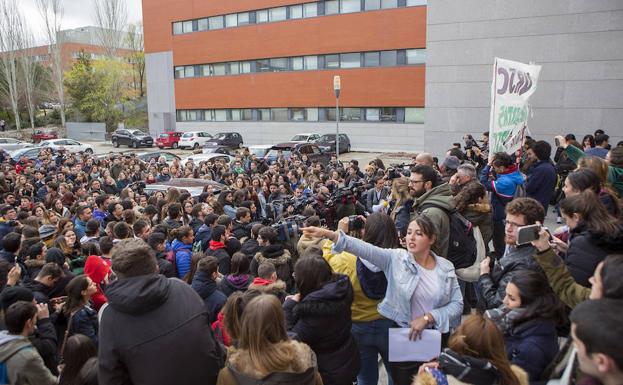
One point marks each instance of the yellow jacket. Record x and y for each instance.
(363, 308)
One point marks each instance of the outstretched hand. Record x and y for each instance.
(319, 232)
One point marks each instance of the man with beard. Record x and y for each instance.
(492, 282)
(433, 199)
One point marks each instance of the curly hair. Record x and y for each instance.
(471, 193)
(530, 208)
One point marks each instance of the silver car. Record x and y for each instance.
(10, 144)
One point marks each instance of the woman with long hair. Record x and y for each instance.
(77, 350)
(265, 352)
(68, 243)
(81, 317)
(238, 278)
(59, 208)
(478, 345)
(369, 328)
(473, 204)
(594, 233)
(422, 288)
(586, 179)
(528, 320)
(320, 316)
(401, 204)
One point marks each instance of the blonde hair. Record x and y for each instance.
(400, 192)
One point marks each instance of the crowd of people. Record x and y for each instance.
(294, 272)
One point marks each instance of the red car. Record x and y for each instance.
(168, 139)
(43, 134)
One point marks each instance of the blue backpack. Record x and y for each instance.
(4, 373)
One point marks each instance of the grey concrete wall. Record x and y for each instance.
(86, 131)
(579, 43)
(160, 91)
(363, 136)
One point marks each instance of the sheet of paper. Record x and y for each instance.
(402, 349)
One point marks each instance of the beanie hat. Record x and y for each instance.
(451, 162)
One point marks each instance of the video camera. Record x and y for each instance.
(398, 170)
(289, 227)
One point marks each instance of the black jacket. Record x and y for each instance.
(241, 230)
(165, 267)
(250, 247)
(150, 326)
(232, 283)
(195, 224)
(279, 257)
(323, 320)
(587, 249)
(207, 289)
(85, 322)
(532, 345)
(224, 259)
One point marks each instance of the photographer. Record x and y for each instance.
(415, 270)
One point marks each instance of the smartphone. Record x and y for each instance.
(527, 234)
(557, 142)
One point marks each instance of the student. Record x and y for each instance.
(182, 247)
(204, 283)
(265, 353)
(267, 281)
(23, 364)
(239, 278)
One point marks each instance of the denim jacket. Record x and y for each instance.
(402, 279)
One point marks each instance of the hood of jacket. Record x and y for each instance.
(607, 242)
(306, 242)
(178, 245)
(96, 268)
(534, 327)
(323, 301)
(203, 284)
(266, 286)
(297, 372)
(10, 344)
(439, 196)
(275, 253)
(138, 295)
(237, 282)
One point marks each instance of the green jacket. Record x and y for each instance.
(570, 292)
(615, 174)
(439, 196)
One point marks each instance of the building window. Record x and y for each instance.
(204, 70)
(245, 67)
(296, 63)
(388, 114)
(350, 6)
(312, 114)
(350, 60)
(233, 68)
(311, 62)
(388, 58)
(279, 64)
(220, 115)
(243, 18)
(262, 65)
(279, 114)
(235, 115)
(231, 20)
(278, 14)
(216, 22)
(179, 73)
(332, 61)
(330, 114)
(202, 24)
(299, 114)
(416, 56)
(372, 4)
(412, 3)
(263, 114)
(296, 11)
(385, 4)
(247, 114)
(331, 7)
(349, 113)
(373, 114)
(178, 28)
(310, 10)
(188, 26)
(189, 71)
(218, 69)
(261, 16)
(414, 115)
(371, 59)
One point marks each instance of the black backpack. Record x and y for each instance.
(461, 244)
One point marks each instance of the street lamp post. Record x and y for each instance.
(336, 88)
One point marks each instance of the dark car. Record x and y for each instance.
(131, 138)
(148, 156)
(225, 139)
(43, 134)
(313, 152)
(327, 141)
(194, 186)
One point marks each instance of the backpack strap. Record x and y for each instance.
(17, 351)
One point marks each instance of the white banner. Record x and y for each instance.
(513, 84)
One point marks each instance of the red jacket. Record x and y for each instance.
(97, 269)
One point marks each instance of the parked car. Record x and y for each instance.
(131, 138)
(43, 134)
(313, 152)
(148, 156)
(219, 150)
(168, 139)
(31, 153)
(67, 144)
(305, 137)
(193, 186)
(10, 144)
(260, 150)
(197, 158)
(327, 142)
(226, 139)
(194, 139)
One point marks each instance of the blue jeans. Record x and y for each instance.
(372, 338)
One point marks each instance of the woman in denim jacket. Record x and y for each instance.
(422, 292)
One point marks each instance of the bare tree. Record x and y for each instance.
(51, 12)
(111, 16)
(136, 44)
(10, 26)
(28, 66)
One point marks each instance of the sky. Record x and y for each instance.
(78, 13)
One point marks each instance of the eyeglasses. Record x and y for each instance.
(512, 224)
(411, 181)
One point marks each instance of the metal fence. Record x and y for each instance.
(86, 131)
